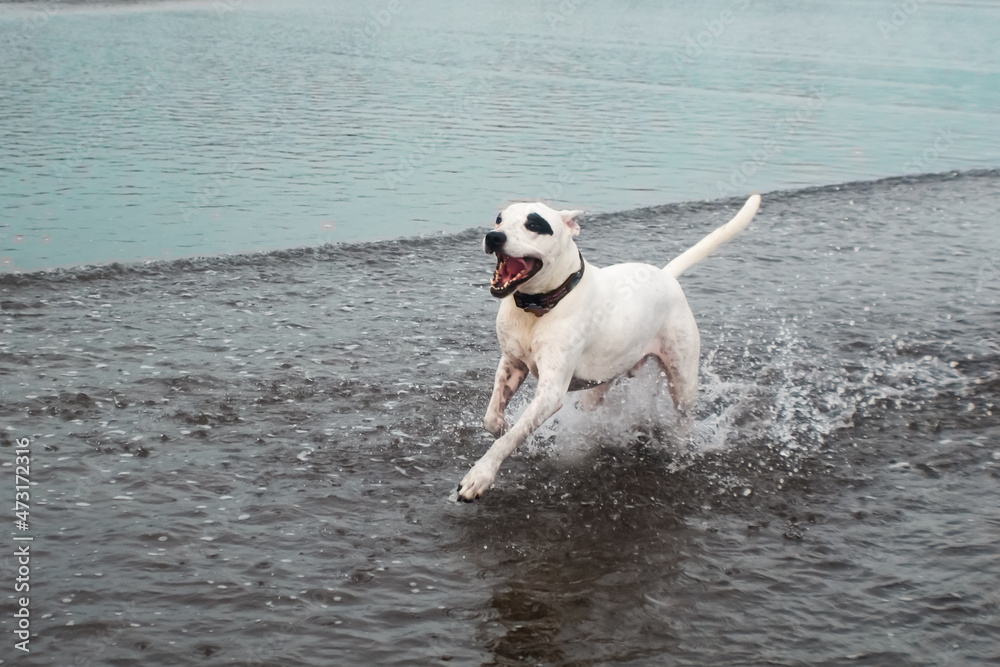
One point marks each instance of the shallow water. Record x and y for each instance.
(171, 129)
(247, 460)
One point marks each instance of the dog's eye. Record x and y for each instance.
(499, 220)
(538, 224)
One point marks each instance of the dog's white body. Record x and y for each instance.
(606, 326)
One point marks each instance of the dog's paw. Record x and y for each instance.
(495, 426)
(476, 481)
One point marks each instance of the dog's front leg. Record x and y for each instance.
(510, 375)
(552, 386)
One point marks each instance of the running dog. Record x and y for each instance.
(576, 326)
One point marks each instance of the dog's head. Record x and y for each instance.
(534, 248)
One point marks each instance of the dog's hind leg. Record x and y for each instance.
(509, 377)
(682, 382)
(678, 353)
(593, 398)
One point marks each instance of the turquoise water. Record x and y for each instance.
(174, 129)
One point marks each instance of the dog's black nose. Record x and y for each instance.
(494, 241)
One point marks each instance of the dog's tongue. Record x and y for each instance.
(510, 267)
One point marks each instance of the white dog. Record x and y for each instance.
(576, 326)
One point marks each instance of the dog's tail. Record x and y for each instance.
(707, 245)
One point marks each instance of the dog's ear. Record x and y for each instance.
(568, 218)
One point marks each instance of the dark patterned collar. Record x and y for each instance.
(539, 304)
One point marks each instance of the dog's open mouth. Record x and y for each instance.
(511, 272)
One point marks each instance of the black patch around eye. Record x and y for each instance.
(538, 224)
